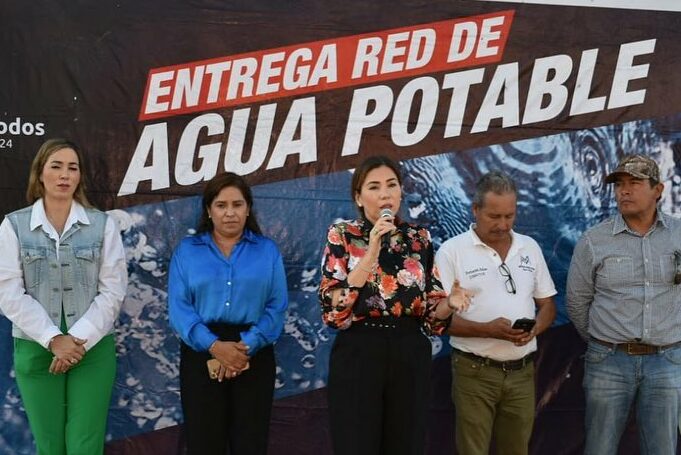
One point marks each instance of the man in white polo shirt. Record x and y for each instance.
(492, 367)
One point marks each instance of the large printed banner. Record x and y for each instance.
(162, 95)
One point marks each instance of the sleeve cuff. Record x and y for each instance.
(49, 334)
(200, 338)
(84, 330)
(545, 294)
(251, 340)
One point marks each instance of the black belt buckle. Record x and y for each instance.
(506, 367)
(513, 365)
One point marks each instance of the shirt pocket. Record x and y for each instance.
(667, 269)
(619, 271)
(33, 264)
(87, 260)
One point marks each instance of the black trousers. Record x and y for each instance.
(379, 379)
(231, 417)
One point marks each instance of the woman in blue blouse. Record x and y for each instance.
(227, 296)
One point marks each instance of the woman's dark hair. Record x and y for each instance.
(211, 191)
(363, 170)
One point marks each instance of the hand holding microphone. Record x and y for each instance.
(387, 215)
(380, 233)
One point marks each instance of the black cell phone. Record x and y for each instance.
(525, 324)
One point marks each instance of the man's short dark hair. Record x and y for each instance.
(496, 182)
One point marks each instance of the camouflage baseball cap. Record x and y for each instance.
(638, 166)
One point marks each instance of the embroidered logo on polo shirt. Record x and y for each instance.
(525, 264)
(476, 272)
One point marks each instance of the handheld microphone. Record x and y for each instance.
(386, 213)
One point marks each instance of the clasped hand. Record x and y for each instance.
(68, 351)
(233, 358)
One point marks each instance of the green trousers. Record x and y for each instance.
(492, 404)
(66, 412)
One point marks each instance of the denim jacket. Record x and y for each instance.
(69, 282)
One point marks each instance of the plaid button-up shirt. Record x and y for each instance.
(621, 284)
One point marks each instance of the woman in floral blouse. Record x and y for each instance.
(380, 287)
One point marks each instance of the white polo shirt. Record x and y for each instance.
(476, 266)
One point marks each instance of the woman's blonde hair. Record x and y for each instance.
(36, 189)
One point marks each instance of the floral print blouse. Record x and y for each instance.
(405, 282)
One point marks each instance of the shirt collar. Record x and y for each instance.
(516, 241)
(248, 235)
(619, 225)
(477, 241)
(77, 214)
(474, 236)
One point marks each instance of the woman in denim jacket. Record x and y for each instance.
(63, 278)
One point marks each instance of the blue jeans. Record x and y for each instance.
(614, 380)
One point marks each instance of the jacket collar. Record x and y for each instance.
(77, 214)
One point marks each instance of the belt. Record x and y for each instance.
(508, 365)
(636, 348)
(389, 323)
